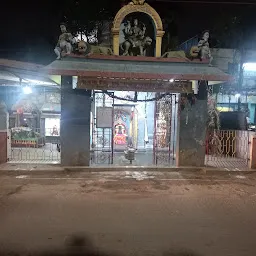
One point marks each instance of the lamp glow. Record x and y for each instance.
(250, 66)
(171, 80)
(38, 82)
(27, 90)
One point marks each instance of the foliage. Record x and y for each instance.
(227, 31)
(84, 17)
(170, 39)
(213, 121)
(213, 128)
(234, 28)
(23, 133)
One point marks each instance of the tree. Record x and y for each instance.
(227, 31)
(234, 28)
(82, 17)
(170, 40)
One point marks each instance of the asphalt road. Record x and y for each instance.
(128, 213)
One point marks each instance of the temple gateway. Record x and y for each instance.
(129, 103)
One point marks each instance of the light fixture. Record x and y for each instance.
(238, 95)
(171, 80)
(250, 66)
(27, 90)
(37, 82)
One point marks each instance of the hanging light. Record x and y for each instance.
(27, 90)
(249, 66)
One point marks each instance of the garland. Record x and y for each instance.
(135, 99)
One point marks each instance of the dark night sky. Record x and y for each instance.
(30, 28)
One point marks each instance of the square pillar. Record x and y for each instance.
(4, 130)
(192, 131)
(252, 163)
(75, 124)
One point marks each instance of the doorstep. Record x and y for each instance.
(57, 168)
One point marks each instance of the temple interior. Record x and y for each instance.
(147, 126)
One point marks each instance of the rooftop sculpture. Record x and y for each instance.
(65, 42)
(135, 42)
(202, 51)
(139, 2)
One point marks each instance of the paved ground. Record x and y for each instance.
(129, 213)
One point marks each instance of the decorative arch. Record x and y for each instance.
(144, 8)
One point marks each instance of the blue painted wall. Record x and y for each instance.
(252, 112)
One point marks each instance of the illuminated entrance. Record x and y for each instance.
(107, 117)
(148, 127)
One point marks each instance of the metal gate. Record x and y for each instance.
(102, 151)
(28, 145)
(228, 149)
(165, 130)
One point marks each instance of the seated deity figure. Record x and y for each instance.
(204, 47)
(128, 32)
(136, 32)
(120, 134)
(64, 45)
(135, 39)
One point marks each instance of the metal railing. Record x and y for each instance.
(228, 148)
(33, 146)
(186, 46)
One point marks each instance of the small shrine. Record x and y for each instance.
(131, 94)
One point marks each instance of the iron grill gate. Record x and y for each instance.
(228, 149)
(28, 145)
(165, 130)
(102, 151)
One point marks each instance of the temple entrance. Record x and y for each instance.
(142, 133)
(165, 130)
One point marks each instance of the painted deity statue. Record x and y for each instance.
(204, 47)
(64, 45)
(120, 134)
(135, 40)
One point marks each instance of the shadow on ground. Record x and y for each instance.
(82, 245)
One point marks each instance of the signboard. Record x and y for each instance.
(104, 117)
(134, 85)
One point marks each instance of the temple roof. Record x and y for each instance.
(149, 68)
(17, 73)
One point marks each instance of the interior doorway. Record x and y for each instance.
(148, 127)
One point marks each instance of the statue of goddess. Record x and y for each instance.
(204, 47)
(64, 45)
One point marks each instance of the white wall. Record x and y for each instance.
(221, 58)
(222, 98)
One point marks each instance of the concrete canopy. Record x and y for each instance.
(16, 73)
(124, 67)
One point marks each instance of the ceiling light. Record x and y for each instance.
(27, 90)
(249, 66)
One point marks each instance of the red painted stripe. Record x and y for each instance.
(138, 58)
(145, 76)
